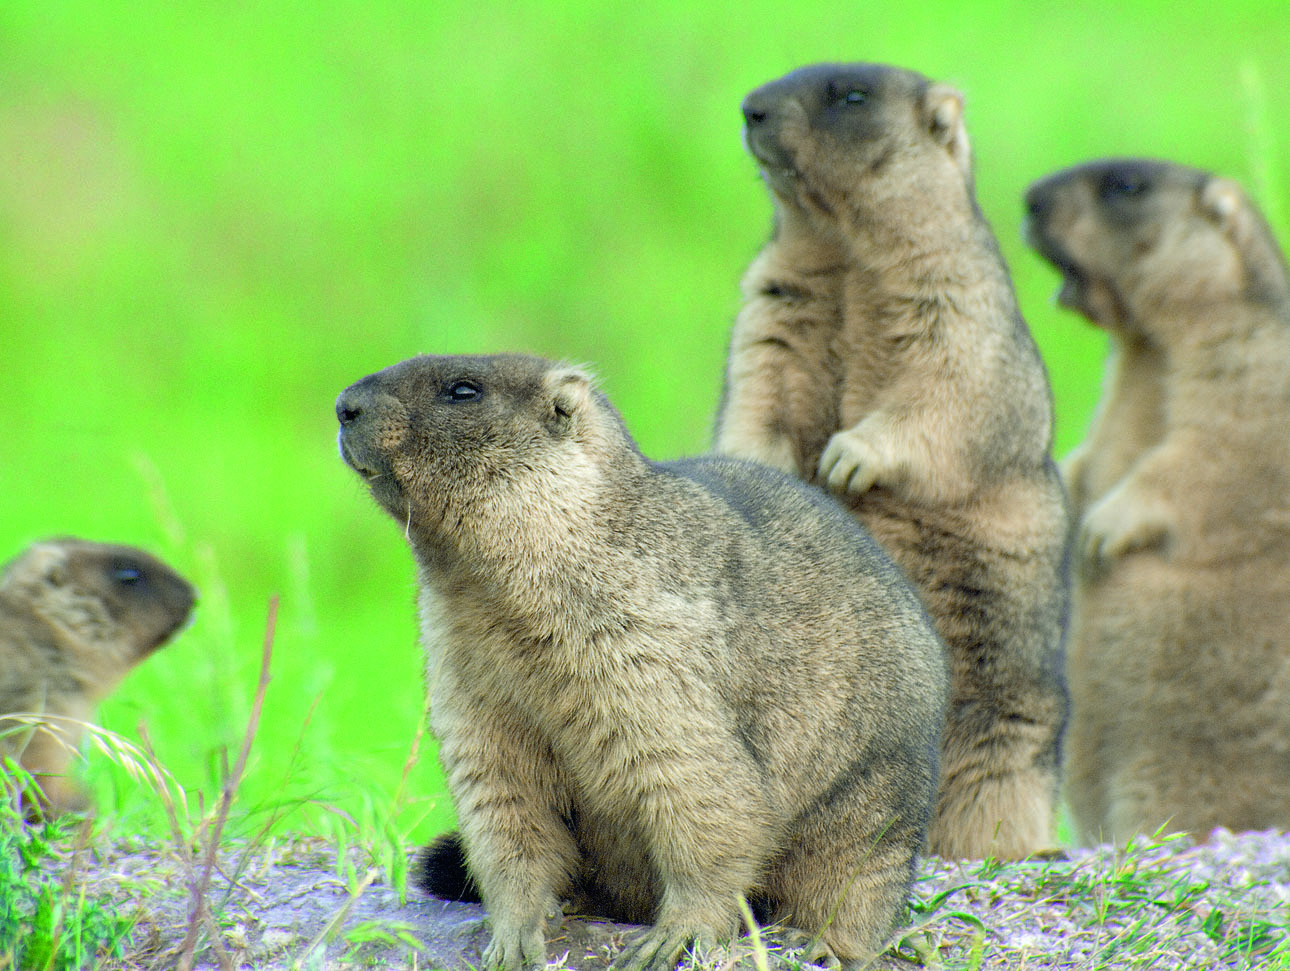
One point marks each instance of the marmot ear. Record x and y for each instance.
(570, 394)
(51, 563)
(943, 106)
(1220, 200)
(39, 573)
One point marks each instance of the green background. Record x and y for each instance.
(215, 216)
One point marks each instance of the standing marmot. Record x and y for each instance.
(75, 617)
(880, 353)
(661, 685)
(1180, 636)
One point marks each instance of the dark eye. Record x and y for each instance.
(463, 391)
(848, 94)
(127, 576)
(1123, 185)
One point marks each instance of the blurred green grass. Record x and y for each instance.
(215, 217)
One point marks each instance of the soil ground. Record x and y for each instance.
(1168, 904)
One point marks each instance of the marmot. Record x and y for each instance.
(656, 685)
(880, 354)
(75, 617)
(1180, 646)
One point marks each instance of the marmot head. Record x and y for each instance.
(838, 138)
(453, 447)
(110, 605)
(1135, 237)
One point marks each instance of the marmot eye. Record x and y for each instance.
(1122, 185)
(843, 94)
(463, 391)
(127, 576)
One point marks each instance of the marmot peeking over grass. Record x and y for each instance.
(655, 685)
(880, 354)
(1180, 636)
(75, 617)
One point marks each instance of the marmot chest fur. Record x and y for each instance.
(655, 685)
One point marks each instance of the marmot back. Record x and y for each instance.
(655, 686)
(880, 354)
(1180, 648)
(75, 617)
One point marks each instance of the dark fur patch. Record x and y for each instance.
(785, 291)
(440, 870)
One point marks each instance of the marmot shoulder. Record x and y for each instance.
(75, 617)
(1180, 654)
(880, 353)
(655, 685)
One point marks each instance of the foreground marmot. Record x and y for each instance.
(1180, 636)
(656, 685)
(880, 353)
(75, 617)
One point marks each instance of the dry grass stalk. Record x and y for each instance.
(209, 832)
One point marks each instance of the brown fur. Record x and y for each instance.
(1180, 649)
(655, 686)
(75, 617)
(880, 353)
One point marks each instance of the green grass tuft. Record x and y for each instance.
(47, 921)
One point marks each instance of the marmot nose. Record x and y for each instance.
(348, 407)
(754, 114)
(1036, 203)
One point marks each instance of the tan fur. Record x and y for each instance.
(75, 617)
(655, 686)
(880, 353)
(1129, 419)
(1180, 648)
